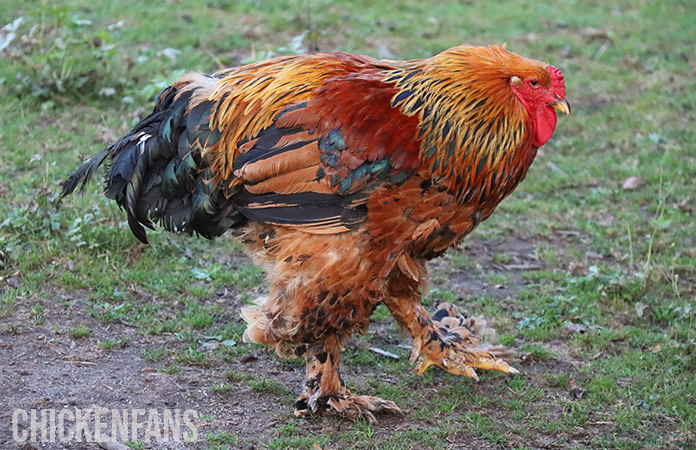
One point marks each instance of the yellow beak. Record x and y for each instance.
(563, 106)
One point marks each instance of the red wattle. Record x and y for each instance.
(544, 125)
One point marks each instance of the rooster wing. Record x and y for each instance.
(299, 142)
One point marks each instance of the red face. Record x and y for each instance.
(541, 100)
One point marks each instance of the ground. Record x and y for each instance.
(588, 271)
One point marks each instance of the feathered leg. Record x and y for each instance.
(447, 340)
(325, 391)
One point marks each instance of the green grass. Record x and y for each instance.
(80, 331)
(222, 438)
(593, 285)
(154, 354)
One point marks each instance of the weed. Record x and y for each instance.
(80, 331)
(108, 344)
(154, 354)
(234, 377)
(192, 356)
(37, 312)
(536, 352)
(268, 385)
(172, 370)
(223, 437)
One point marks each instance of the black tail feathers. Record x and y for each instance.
(84, 173)
(160, 172)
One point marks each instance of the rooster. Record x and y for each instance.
(341, 175)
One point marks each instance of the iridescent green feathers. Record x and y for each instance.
(160, 172)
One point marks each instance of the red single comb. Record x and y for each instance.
(557, 80)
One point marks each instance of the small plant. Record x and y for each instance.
(268, 385)
(536, 352)
(222, 388)
(199, 319)
(223, 437)
(108, 344)
(659, 225)
(154, 354)
(236, 377)
(502, 258)
(37, 313)
(192, 356)
(40, 219)
(80, 331)
(172, 370)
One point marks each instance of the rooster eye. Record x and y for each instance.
(534, 83)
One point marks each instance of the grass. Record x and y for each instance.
(593, 284)
(80, 331)
(222, 438)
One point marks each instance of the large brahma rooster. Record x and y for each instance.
(342, 175)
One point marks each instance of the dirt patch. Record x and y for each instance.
(43, 369)
(40, 369)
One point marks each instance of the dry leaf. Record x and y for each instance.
(576, 391)
(12, 282)
(631, 183)
(576, 327)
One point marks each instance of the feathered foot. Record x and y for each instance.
(326, 392)
(450, 340)
(346, 404)
(456, 346)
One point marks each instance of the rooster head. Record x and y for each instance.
(541, 91)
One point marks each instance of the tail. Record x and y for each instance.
(160, 171)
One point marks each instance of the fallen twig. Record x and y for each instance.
(379, 351)
(83, 363)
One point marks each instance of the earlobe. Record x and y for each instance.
(516, 82)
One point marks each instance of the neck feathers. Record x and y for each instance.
(475, 135)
